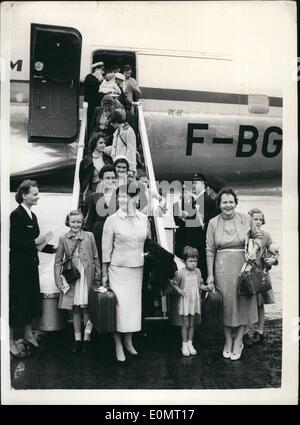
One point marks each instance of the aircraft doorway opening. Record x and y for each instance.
(114, 59)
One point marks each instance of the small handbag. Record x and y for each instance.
(253, 279)
(69, 271)
(212, 309)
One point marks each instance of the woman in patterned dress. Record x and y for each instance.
(227, 234)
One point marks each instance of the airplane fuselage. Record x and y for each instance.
(185, 137)
(197, 107)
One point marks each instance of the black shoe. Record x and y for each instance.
(29, 345)
(30, 349)
(19, 355)
(76, 348)
(121, 363)
(258, 338)
(86, 346)
(133, 356)
(247, 341)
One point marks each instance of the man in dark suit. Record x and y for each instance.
(91, 90)
(187, 220)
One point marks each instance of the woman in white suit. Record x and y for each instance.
(124, 234)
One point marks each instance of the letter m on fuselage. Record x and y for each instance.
(17, 64)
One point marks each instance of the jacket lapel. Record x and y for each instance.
(25, 215)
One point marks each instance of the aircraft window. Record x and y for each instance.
(258, 104)
(115, 59)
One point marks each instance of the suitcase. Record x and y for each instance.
(52, 319)
(102, 310)
(212, 310)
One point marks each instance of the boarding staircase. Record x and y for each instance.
(163, 230)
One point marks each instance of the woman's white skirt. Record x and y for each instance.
(126, 282)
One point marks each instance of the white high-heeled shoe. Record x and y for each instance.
(237, 356)
(120, 355)
(227, 354)
(131, 350)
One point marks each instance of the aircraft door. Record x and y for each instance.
(55, 54)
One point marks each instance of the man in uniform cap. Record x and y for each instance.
(206, 209)
(198, 184)
(91, 88)
(189, 216)
(198, 177)
(99, 65)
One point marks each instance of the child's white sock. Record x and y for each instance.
(86, 336)
(191, 348)
(184, 349)
(77, 336)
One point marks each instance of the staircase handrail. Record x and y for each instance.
(80, 149)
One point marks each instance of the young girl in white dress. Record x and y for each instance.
(188, 283)
(82, 247)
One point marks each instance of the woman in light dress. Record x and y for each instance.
(227, 235)
(124, 234)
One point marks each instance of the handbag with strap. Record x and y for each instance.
(253, 280)
(69, 271)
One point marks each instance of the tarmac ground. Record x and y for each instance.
(161, 365)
